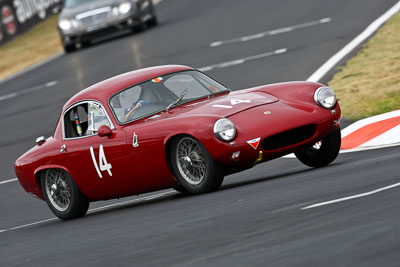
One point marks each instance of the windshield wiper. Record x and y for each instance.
(178, 100)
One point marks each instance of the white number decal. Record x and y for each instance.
(238, 101)
(104, 165)
(135, 142)
(233, 102)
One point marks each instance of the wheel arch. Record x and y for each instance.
(38, 172)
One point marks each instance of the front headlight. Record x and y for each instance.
(65, 24)
(224, 130)
(325, 97)
(124, 7)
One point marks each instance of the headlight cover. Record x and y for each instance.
(325, 97)
(65, 24)
(224, 129)
(125, 7)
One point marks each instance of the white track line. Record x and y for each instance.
(133, 201)
(242, 60)
(29, 224)
(327, 66)
(96, 209)
(28, 90)
(269, 33)
(352, 197)
(9, 181)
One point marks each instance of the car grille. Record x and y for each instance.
(288, 138)
(94, 17)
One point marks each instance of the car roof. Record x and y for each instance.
(103, 90)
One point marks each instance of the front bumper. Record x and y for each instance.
(82, 33)
(283, 131)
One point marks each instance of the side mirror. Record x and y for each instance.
(104, 130)
(40, 140)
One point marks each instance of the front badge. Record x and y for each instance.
(254, 142)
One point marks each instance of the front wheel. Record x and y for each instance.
(194, 167)
(62, 195)
(323, 152)
(68, 48)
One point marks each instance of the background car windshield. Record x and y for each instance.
(71, 3)
(157, 94)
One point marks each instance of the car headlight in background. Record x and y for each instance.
(65, 24)
(124, 7)
(224, 130)
(325, 97)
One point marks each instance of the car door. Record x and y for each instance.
(102, 166)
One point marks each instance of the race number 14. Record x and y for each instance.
(104, 165)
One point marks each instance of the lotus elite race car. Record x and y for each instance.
(173, 127)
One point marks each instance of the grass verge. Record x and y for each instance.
(34, 46)
(369, 84)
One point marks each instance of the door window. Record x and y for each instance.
(84, 119)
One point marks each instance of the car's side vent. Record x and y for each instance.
(288, 138)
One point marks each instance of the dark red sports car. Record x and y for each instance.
(173, 126)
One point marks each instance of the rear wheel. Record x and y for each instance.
(62, 195)
(195, 169)
(323, 152)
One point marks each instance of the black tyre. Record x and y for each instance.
(193, 166)
(69, 48)
(153, 21)
(180, 189)
(86, 43)
(323, 152)
(62, 195)
(141, 25)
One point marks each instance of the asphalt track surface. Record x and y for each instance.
(258, 216)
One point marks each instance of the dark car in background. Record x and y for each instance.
(81, 21)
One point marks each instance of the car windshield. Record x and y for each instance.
(72, 3)
(161, 93)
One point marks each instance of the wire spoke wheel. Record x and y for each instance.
(191, 161)
(194, 168)
(58, 189)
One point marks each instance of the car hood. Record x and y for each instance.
(70, 12)
(229, 104)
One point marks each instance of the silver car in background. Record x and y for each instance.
(81, 21)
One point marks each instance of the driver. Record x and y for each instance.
(129, 111)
